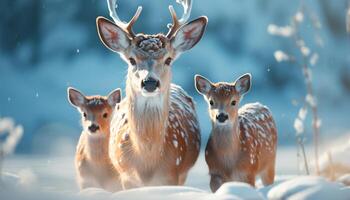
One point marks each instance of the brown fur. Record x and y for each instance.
(245, 146)
(155, 137)
(143, 149)
(93, 166)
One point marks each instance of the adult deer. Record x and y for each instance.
(155, 136)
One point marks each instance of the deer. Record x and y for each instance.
(242, 142)
(93, 165)
(155, 135)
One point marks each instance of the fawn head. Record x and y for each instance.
(223, 98)
(150, 56)
(96, 110)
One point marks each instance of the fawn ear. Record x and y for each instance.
(202, 84)
(189, 34)
(111, 35)
(75, 97)
(114, 97)
(243, 83)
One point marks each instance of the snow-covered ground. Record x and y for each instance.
(31, 177)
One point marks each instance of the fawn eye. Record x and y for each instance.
(168, 61)
(84, 114)
(233, 103)
(211, 102)
(132, 61)
(105, 115)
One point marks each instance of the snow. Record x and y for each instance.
(308, 188)
(281, 56)
(345, 179)
(299, 188)
(33, 177)
(339, 154)
(241, 190)
(13, 136)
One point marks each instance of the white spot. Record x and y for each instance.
(175, 143)
(178, 161)
(182, 134)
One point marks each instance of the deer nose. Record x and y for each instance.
(93, 128)
(150, 84)
(222, 117)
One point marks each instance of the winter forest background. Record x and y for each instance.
(48, 45)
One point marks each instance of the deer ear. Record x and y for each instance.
(189, 34)
(75, 97)
(243, 83)
(202, 84)
(111, 35)
(114, 97)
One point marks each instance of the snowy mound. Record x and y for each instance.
(299, 188)
(241, 190)
(345, 179)
(309, 188)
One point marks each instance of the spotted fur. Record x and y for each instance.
(243, 147)
(249, 151)
(163, 155)
(155, 137)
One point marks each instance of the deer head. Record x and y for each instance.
(96, 110)
(150, 56)
(223, 98)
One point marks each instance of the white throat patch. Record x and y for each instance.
(149, 103)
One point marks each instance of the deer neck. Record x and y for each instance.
(148, 118)
(226, 137)
(97, 146)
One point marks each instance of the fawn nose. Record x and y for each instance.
(150, 84)
(222, 117)
(93, 128)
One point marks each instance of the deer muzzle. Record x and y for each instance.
(150, 84)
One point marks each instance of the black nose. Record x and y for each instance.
(150, 84)
(93, 128)
(222, 117)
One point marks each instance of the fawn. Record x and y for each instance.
(93, 166)
(242, 143)
(155, 136)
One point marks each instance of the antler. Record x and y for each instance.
(187, 6)
(112, 6)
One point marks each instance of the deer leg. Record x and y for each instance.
(248, 178)
(87, 183)
(215, 182)
(182, 178)
(129, 181)
(268, 175)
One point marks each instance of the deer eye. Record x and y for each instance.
(233, 103)
(105, 115)
(84, 114)
(168, 61)
(211, 102)
(132, 61)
